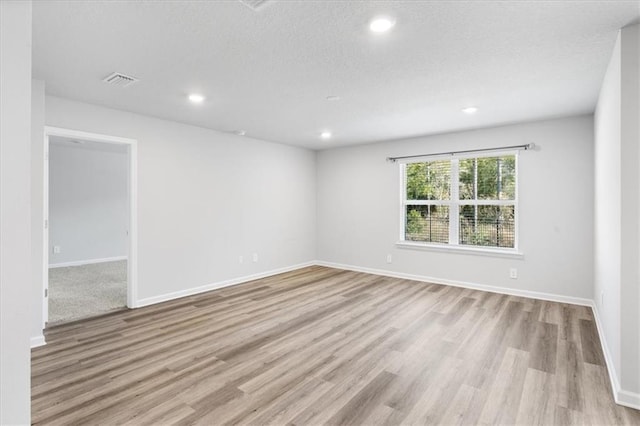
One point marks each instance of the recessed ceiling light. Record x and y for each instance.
(325, 135)
(239, 132)
(196, 98)
(470, 110)
(333, 98)
(381, 24)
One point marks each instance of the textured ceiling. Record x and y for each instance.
(269, 72)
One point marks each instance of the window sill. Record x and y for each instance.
(507, 253)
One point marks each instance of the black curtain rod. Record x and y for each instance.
(525, 147)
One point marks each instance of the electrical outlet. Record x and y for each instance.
(389, 258)
(255, 257)
(240, 259)
(513, 273)
(57, 249)
(602, 298)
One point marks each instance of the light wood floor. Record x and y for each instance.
(323, 346)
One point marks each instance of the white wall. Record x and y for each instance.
(617, 219)
(608, 214)
(15, 217)
(359, 209)
(88, 201)
(37, 213)
(205, 198)
(630, 148)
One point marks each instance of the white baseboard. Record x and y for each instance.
(87, 262)
(628, 399)
(622, 397)
(474, 286)
(37, 341)
(221, 284)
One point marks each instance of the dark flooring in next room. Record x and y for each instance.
(324, 346)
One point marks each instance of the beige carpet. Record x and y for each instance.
(77, 292)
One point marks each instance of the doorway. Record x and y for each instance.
(90, 225)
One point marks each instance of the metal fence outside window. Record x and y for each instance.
(488, 232)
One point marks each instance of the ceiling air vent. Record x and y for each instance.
(118, 79)
(254, 4)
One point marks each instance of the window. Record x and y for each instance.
(461, 201)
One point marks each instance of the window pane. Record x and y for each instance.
(467, 179)
(507, 177)
(427, 223)
(492, 178)
(492, 226)
(429, 181)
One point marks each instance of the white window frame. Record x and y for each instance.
(454, 204)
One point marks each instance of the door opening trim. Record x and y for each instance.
(132, 263)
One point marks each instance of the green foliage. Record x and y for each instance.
(415, 223)
(429, 181)
(496, 178)
(427, 223)
(487, 225)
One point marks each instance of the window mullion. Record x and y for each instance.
(403, 202)
(454, 210)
